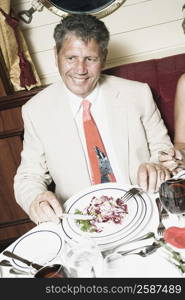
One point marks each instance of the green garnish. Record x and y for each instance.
(85, 225)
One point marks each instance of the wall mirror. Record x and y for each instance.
(100, 8)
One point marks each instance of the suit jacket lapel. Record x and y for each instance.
(70, 143)
(116, 113)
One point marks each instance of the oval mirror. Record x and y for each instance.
(99, 8)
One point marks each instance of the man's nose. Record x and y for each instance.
(81, 67)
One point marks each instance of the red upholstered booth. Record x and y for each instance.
(161, 75)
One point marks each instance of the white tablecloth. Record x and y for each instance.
(154, 265)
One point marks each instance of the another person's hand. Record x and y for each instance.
(172, 160)
(151, 175)
(44, 208)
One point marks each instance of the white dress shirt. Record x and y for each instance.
(102, 125)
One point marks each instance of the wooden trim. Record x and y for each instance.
(18, 98)
(14, 223)
(12, 133)
(7, 242)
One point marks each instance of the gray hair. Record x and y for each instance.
(84, 26)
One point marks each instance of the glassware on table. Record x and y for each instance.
(40, 268)
(83, 258)
(172, 197)
(52, 269)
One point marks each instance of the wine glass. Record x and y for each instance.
(51, 268)
(172, 197)
(52, 271)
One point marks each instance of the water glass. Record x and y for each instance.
(83, 258)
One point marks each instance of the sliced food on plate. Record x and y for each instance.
(105, 209)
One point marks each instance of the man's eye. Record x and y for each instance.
(93, 59)
(71, 58)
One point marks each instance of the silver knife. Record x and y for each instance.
(77, 216)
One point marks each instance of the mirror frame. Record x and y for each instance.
(99, 13)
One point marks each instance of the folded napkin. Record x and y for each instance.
(175, 236)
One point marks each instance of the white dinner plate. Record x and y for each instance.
(139, 214)
(41, 247)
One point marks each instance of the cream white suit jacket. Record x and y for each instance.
(52, 148)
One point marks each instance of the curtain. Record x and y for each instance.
(20, 67)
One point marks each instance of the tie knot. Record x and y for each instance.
(86, 105)
(86, 110)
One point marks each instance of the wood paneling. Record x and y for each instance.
(13, 220)
(2, 89)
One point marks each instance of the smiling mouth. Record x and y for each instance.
(79, 80)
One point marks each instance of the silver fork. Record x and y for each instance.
(137, 239)
(161, 228)
(130, 193)
(164, 213)
(141, 251)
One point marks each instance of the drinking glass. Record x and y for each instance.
(83, 258)
(52, 269)
(172, 197)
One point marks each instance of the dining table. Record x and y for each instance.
(46, 243)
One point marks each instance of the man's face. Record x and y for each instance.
(80, 64)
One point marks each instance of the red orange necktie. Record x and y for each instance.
(101, 170)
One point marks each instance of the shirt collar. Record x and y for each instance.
(76, 101)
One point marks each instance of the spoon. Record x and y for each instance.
(54, 271)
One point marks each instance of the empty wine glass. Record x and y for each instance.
(172, 197)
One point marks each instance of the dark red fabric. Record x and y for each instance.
(161, 75)
(27, 77)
